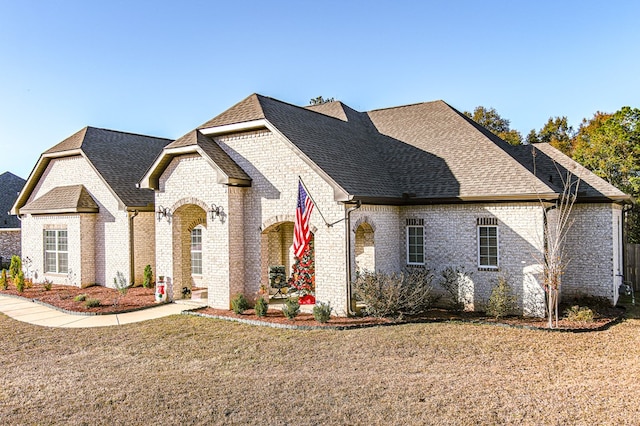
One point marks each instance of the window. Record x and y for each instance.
(488, 247)
(196, 251)
(415, 242)
(56, 254)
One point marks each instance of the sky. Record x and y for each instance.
(162, 68)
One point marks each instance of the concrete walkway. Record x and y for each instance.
(34, 313)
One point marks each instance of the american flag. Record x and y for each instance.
(301, 233)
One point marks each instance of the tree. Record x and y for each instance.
(557, 132)
(609, 146)
(492, 121)
(320, 100)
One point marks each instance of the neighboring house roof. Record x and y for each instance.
(119, 158)
(10, 186)
(63, 199)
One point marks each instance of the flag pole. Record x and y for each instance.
(314, 202)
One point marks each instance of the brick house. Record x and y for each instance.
(83, 219)
(418, 186)
(10, 186)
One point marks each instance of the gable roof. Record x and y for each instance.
(229, 172)
(413, 154)
(119, 158)
(63, 199)
(10, 186)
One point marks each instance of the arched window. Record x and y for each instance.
(196, 251)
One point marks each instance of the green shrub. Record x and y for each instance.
(15, 267)
(291, 308)
(47, 284)
(120, 283)
(395, 295)
(322, 312)
(20, 282)
(4, 284)
(502, 302)
(92, 303)
(261, 307)
(239, 303)
(579, 314)
(148, 277)
(80, 298)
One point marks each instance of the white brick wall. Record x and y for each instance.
(110, 226)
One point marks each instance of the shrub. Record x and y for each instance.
(322, 312)
(148, 277)
(47, 284)
(15, 266)
(20, 282)
(92, 303)
(453, 282)
(80, 298)
(239, 303)
(579, 314)
(4, 284)
(261, 307)
(120, 283)
(395, 295)
(502, 301)
(291, 308)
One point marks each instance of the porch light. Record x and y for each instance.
(216, 211)
(163, 212)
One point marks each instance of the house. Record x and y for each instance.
(415, 186)
(10, 186)
(84, 221)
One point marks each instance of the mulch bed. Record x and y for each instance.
(62, 297)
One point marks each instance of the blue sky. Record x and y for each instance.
(163, 68)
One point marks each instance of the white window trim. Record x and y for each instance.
(407, 245)
(191, 251)
(497, 265)
(56, 251)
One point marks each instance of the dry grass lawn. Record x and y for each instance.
(192, 370)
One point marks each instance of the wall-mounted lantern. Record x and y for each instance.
(216, 211)
(163, 212)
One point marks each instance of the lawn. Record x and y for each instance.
(192, 370)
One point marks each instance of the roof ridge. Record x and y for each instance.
(126, 132)
(408, 105)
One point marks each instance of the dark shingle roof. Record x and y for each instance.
(63, 199)
(213, 151)
(10, 186)
(426, 152)
(120, 158)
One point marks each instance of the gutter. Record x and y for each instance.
(132, 273)
(347, 217)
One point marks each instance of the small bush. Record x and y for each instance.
(148, 277)
(322, 312)
(120, 283)
(291, 308)
(92, 303)
(502, 302)
(395, 295)
(4, 284)
(579, 314)
(15, 267)
(20, 282)
(239, 304)
(47, 284)
(261, 307)
(80, 298)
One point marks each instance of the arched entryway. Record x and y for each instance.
(277, 259)
(365, 252)
(189, 227)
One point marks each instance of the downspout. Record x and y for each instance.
(347, 221)
(132, 273)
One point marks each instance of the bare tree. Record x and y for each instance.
(557, 223)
